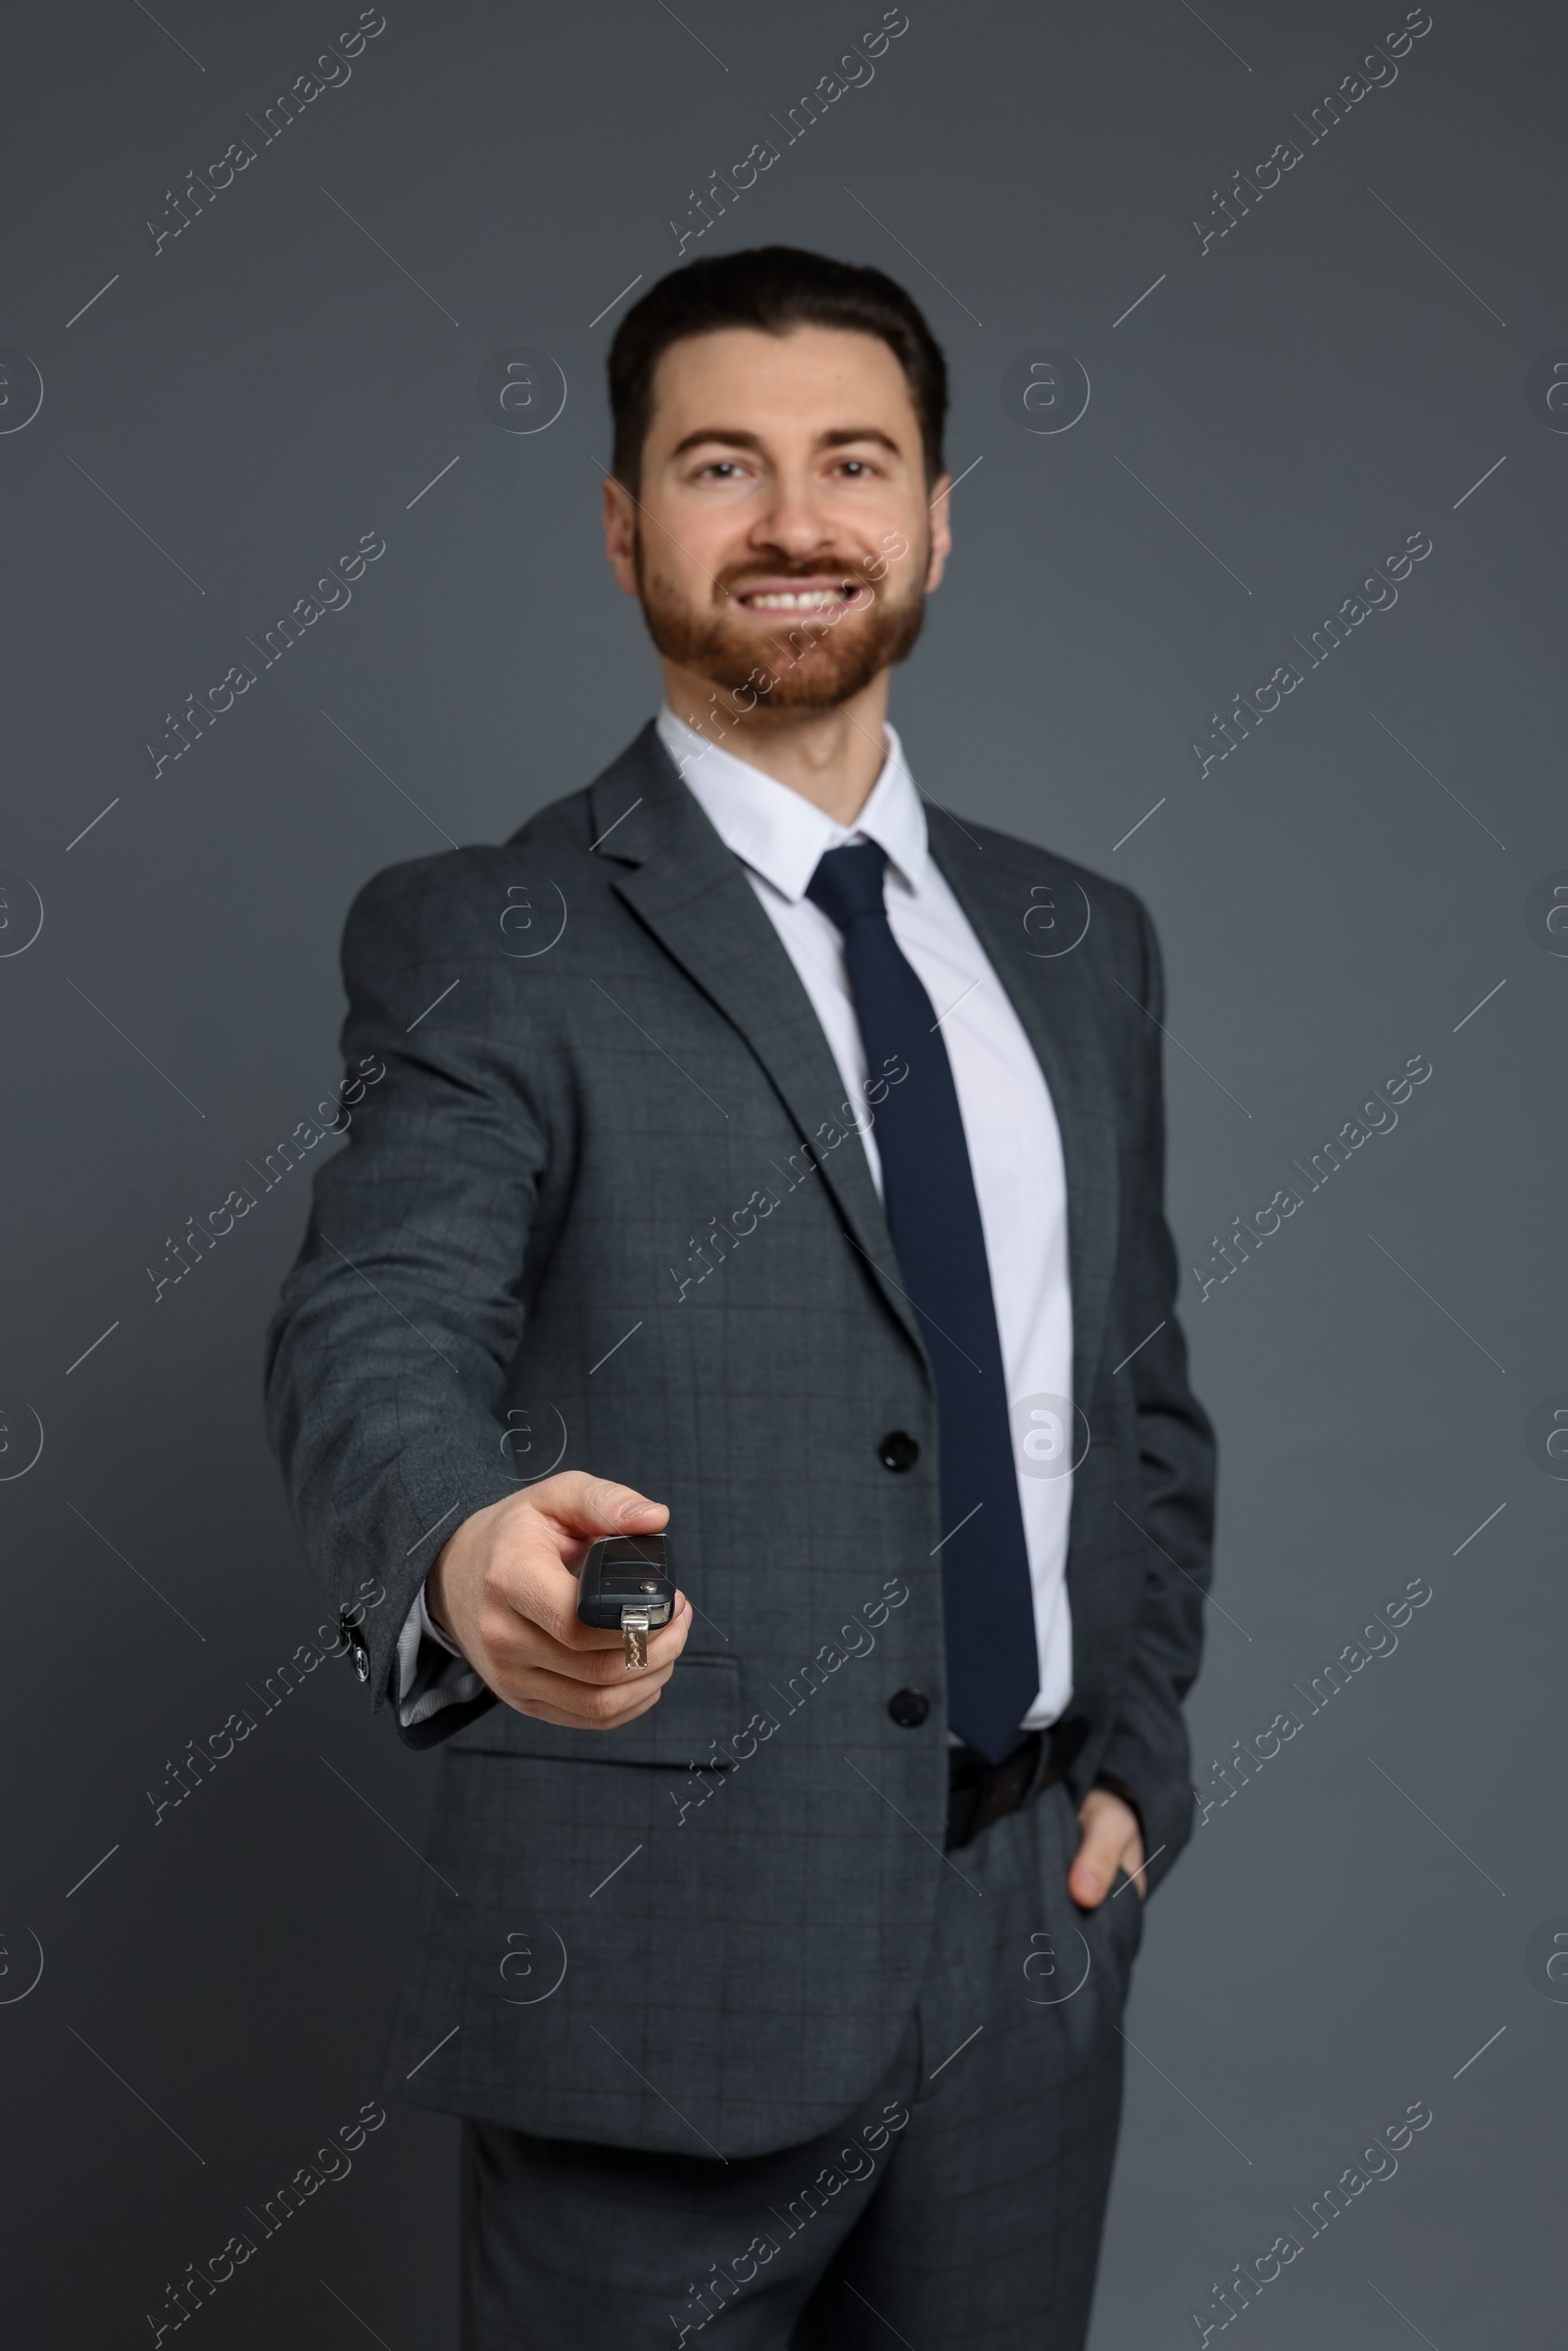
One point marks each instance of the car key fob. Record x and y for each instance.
(625, 1587)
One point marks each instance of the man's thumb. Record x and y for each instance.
(1094, 1867)
(602, 1507)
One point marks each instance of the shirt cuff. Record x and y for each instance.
(432, 1669)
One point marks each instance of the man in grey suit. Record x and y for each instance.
(757, 1160)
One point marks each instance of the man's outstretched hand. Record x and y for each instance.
(505, 1588)
(1112, 1842)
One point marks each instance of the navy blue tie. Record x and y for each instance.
(933, 1218)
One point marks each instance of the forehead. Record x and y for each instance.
(794, 387)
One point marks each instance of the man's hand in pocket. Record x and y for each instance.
(1112, 1842)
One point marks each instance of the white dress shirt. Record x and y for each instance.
(1009, 1121)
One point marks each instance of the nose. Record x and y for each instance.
(791, 520)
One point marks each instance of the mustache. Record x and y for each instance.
(857, 571)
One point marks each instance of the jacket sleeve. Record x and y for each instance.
(387, 1356)
(1147, 1752)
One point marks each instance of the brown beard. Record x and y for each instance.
(811, 663)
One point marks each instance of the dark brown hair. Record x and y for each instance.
(773, 288)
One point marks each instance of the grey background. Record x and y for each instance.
(1315, 387)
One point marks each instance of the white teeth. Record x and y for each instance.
(806, 599)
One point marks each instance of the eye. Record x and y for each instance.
(857, 468)
(720, 469)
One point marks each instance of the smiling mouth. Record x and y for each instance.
(831, 597)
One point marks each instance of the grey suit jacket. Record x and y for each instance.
(607, 1210)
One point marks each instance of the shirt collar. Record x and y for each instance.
(779, 834)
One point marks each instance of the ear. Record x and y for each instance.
(941, 531)
(620, 532)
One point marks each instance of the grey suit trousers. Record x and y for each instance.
(960, 2205)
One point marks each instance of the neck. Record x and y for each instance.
(830, 758)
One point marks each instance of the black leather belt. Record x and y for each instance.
(980, 1792)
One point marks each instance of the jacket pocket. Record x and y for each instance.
(699, 1703)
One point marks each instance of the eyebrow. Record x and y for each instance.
(732, 437)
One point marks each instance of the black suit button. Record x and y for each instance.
(898, 1451)
(354, 1642)
(909, 1708)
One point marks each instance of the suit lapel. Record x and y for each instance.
(1055, 998)
(692, 893)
